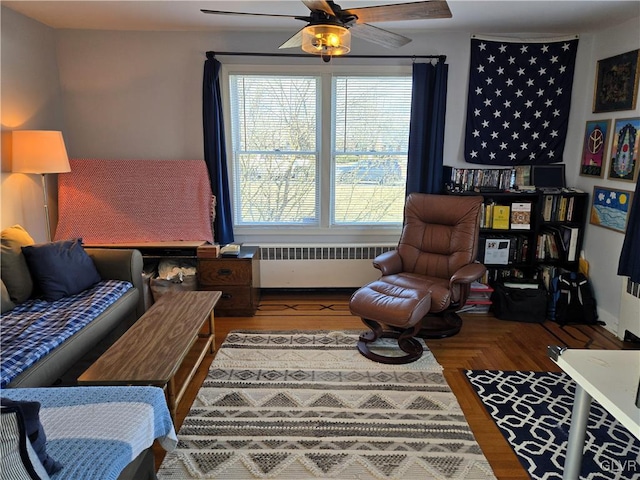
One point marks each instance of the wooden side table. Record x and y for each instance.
(238, 278)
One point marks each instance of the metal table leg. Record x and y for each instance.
(577, 434)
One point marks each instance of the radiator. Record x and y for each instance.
(629, 324)
(318, 266)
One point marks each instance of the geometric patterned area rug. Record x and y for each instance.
(533, 412)
(306, 405)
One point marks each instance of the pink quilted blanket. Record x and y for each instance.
(135, 201)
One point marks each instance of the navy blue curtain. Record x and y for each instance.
(426, 131)
(215, 155)
(629, 264)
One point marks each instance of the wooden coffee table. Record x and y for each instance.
(164, 347)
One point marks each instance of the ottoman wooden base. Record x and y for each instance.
(391, 312)
(406, 342)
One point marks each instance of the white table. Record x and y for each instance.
(609, 376)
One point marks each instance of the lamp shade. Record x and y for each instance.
(39, 151)
(326, 40)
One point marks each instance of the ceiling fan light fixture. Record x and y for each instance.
(326, 40)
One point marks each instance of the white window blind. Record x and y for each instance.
(371, 129)
(274, 149)
(277, 143)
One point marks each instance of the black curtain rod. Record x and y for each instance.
(441, 58)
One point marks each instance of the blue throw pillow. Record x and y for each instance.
(61, 268)
(34, 431)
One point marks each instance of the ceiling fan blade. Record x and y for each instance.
(321, 5)
(402, 11)
(294, 41)
(378, 35)
(222, 12)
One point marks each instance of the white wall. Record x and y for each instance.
(132, 94)
(147, 86)
(602, 246)
(30, 100)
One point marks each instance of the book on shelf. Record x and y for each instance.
(532, 285)
(562, 209)
(548, 208)
(500, 217)
(521, 216)
(475, 308)
(479, 299)
(486, 215)
(569, 216)
(550, 246)
(494, 216)
(554, 251)
(570, 241)
(478, 179)
(496, 251)
(480, 287)
(518, 248)
(479, 293)
(548, 273)
(495, 274)
(523, 176)
(558, 207)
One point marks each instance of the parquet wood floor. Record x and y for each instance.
(485, 343)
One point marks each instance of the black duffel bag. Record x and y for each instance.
(519, 304)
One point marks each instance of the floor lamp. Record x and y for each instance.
(40, 152)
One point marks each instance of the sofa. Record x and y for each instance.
(93, 295)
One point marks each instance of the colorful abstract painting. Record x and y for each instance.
(610, 208)
(624, 151)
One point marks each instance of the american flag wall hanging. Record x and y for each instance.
(519, 100)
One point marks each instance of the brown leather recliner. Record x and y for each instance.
(429, 273)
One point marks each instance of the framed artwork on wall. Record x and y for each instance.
(616, 85)
(610, 208)
(624, 150)
(594, 148)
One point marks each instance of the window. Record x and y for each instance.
(275, 152)
(319, 150)
(371, 132)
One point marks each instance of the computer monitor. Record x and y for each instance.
(548, 176)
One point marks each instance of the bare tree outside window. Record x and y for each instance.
(275, 153)
(276, 138)
(371, 142)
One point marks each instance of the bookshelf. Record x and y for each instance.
(535, 234)
(561, 227)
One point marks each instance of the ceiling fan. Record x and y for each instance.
(329, 27)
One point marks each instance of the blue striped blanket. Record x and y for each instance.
(34, 328)
(95, 432)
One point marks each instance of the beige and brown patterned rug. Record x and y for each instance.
(306, 405)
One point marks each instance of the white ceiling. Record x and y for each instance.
(476, 16)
